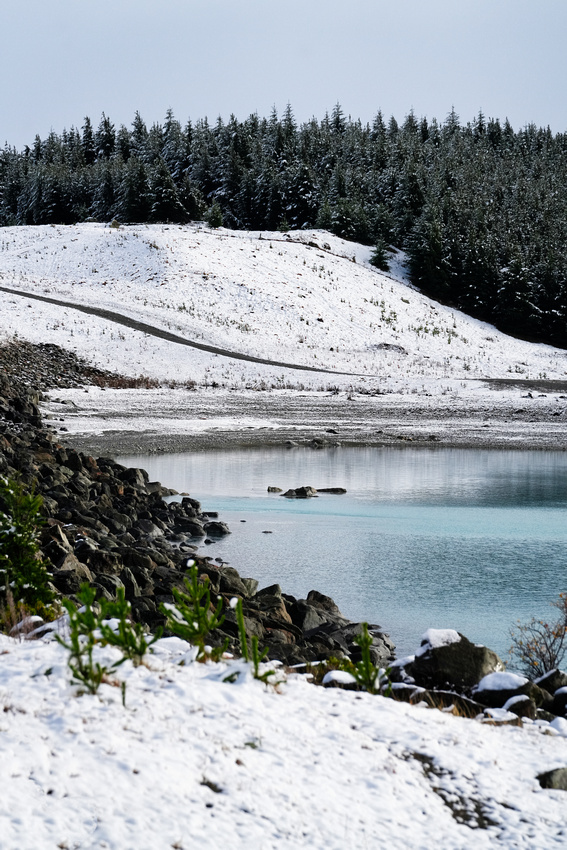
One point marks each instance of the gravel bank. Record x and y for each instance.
(496, 414)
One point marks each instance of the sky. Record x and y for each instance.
(61, 60)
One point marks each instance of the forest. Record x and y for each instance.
(479, 208)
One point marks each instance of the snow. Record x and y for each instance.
(501, 682)
(560, 726)
(265, 295)
(435, 638)
(341, 677)
(194, 761)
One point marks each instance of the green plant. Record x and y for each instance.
(89, 627)
(254, 656)
(539, 646)
(22, 569)
(214, 215)
(83, 625)
(373, 679)
(129, 637)
(192, 617)
(379, 257)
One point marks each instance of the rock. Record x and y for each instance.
(216, 529)
(554, 779)
(251, 585)
(231, 583)
(274, 489)
(190, 526)
(300, 493)
(499, 689)
(131, 586)
(559, 705)
(458, 664)
(306, 616)
(552, 680)
(334, 490)
(110, 583)
(324, 603)
(149, 529)
(521, 706)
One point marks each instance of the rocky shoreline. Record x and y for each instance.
(110, 526)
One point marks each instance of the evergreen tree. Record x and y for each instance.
(88, 142)
(132, 194)
(163, 199)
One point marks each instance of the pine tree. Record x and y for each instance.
(163, 199)
(88, 142)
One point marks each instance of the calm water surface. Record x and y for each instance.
(445, 538)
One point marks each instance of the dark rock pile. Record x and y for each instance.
(26, 367)
(110, 526)
(472, 680)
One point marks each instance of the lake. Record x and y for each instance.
(446, 538)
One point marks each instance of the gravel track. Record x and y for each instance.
(151, 330)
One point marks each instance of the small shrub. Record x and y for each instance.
(539, 646)
(379, 257)
(129, 637)
(89, 627)
(83, 627)
(252, 656)
(192, 617)
(23, 572)
(214, 216)
(369, 677)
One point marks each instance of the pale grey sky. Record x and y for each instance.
(63, 59)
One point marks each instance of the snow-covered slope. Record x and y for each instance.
(304, 298)
(192, 761)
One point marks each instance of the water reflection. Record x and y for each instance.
(466, 539)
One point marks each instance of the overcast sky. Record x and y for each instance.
(63, 59)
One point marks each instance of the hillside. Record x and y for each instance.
(304, 298)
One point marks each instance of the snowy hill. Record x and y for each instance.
(304, 298)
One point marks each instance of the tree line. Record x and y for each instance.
(480, 209)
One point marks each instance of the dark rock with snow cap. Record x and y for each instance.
(496, 690)
(447, 659)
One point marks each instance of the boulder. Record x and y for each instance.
(499, 689)
(300, 493)
(552, 680)
(522, 706)
(448, 660)
(231, 583)
(554, 779)
(559, 705)
(216, 529)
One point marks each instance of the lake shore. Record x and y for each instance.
(503, 414)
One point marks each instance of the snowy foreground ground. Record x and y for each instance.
(192, 761)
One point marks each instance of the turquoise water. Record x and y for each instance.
(446, 538)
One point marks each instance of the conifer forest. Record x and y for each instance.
(479, 208)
